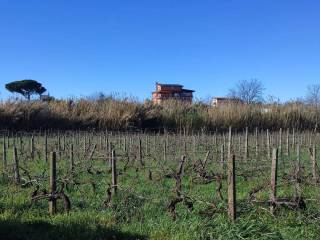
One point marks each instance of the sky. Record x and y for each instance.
(80, 47)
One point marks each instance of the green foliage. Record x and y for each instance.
(26, 87)
(126, 206)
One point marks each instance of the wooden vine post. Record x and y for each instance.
(274, 172)
(232, 205)
(229, 142)
(297, 190)
(246, 152)
(53, 184)
(280, 143)
(17, 179)
(179, 176)
(71, 159)
(4, 154)
(46, 147)
(268, 144)
(313, 154)
(256, 143)
(140, 153)
(32, 147)
(222, 159)
(164, 151)
(293, 137)
(114, 172)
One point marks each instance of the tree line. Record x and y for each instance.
(249, 91)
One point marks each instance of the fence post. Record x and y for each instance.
(246, 152)
(280, 143)
(222, 158)
(124, 144)
(4, 156)
(146, 151)
(268, 144)
(288, 143)
(231, 188)
(314, 164)
(164, 151)
(46, 147)
(32, 147)
(257, 143)
(16, 166)
(229, 142)
(140, 153)
(53, 186)
(274, 172)
(293, 137)
(297, 173)
(71, 159)
(59, 146)
(114, 172)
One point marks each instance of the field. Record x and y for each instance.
(125, 185)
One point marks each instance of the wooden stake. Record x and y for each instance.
(288, 143)
(71, 159)
(274, 172)
(222, 158)
(32, 147)
(17, 179)
(164, 151)
(140, 153)
(114, 172)
(280, 143)
(46, 147)
(231, 188)
(53, 186)
(314, 165)
(246, 152)
(4, 154)
(268, 144)
(257, 144)
(297, 190)
(229, 142)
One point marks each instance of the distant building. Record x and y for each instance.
(224, 101)
(171, 91)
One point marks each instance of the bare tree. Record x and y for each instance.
(313, 95)
(313, 99)
(249, 91)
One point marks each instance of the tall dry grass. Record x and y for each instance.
(115, 114)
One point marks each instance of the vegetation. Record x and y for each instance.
(123, 114)
(148, 175)
(248, 91)
(26, 88)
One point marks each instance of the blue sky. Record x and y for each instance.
(79, 47)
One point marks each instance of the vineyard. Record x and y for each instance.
(249, 184)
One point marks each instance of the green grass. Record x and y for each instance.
(138, 211)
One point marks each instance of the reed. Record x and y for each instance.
(124, 114)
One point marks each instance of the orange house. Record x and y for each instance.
(171, 91)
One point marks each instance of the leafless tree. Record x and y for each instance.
(249, 91)
(313, 98)
(313, 95)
